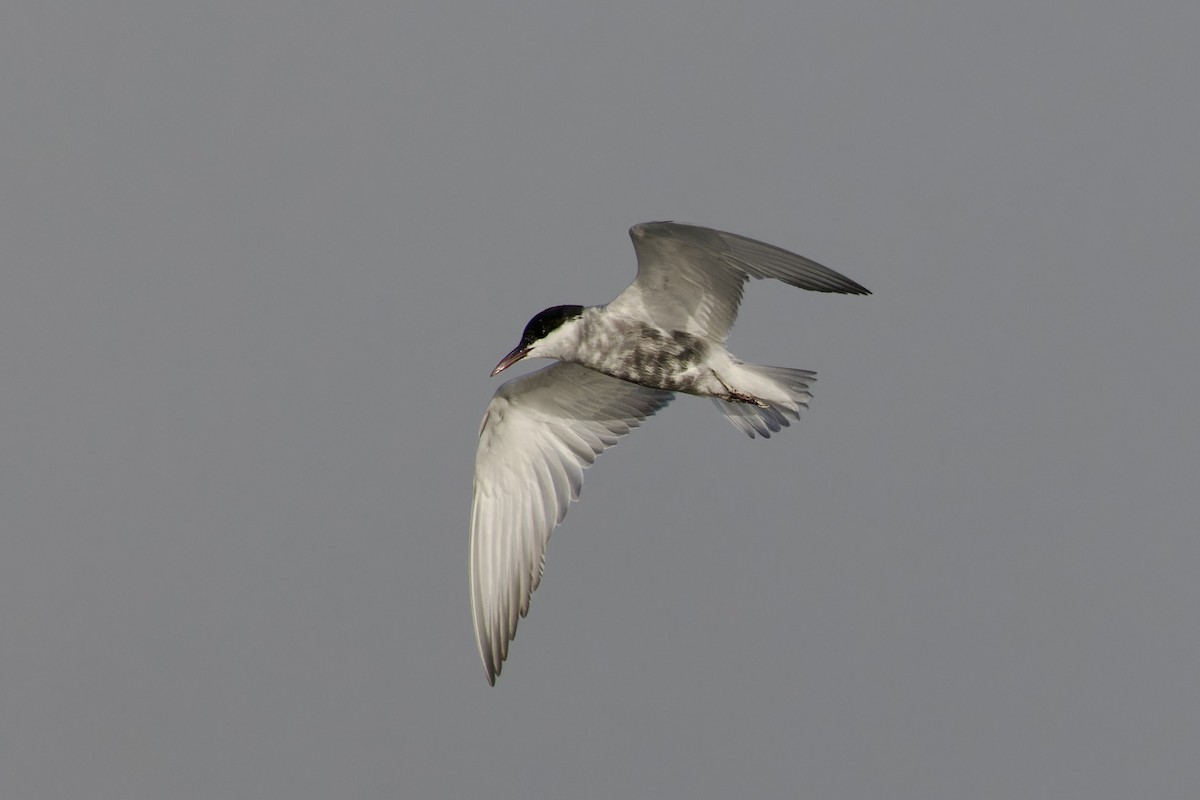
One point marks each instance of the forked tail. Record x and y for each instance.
(783, 391)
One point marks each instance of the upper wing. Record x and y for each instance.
(691, 278)
(540, 432)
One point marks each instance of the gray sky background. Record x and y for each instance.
(258, 259)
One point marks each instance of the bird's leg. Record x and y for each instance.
(734, 396)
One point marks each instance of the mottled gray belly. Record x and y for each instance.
(670, 360)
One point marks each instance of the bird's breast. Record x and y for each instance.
(671, 360)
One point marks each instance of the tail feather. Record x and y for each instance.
(785, 392)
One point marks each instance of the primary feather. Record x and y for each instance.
(540, 432)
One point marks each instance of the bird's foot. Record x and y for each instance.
(735, 396)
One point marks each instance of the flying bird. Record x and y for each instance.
(617, 365)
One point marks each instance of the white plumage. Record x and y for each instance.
(619, 364)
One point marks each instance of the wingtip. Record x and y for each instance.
(843, 285)
(490, 670)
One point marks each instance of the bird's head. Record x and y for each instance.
(547, 335)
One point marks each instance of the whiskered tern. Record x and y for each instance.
(617, 364)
